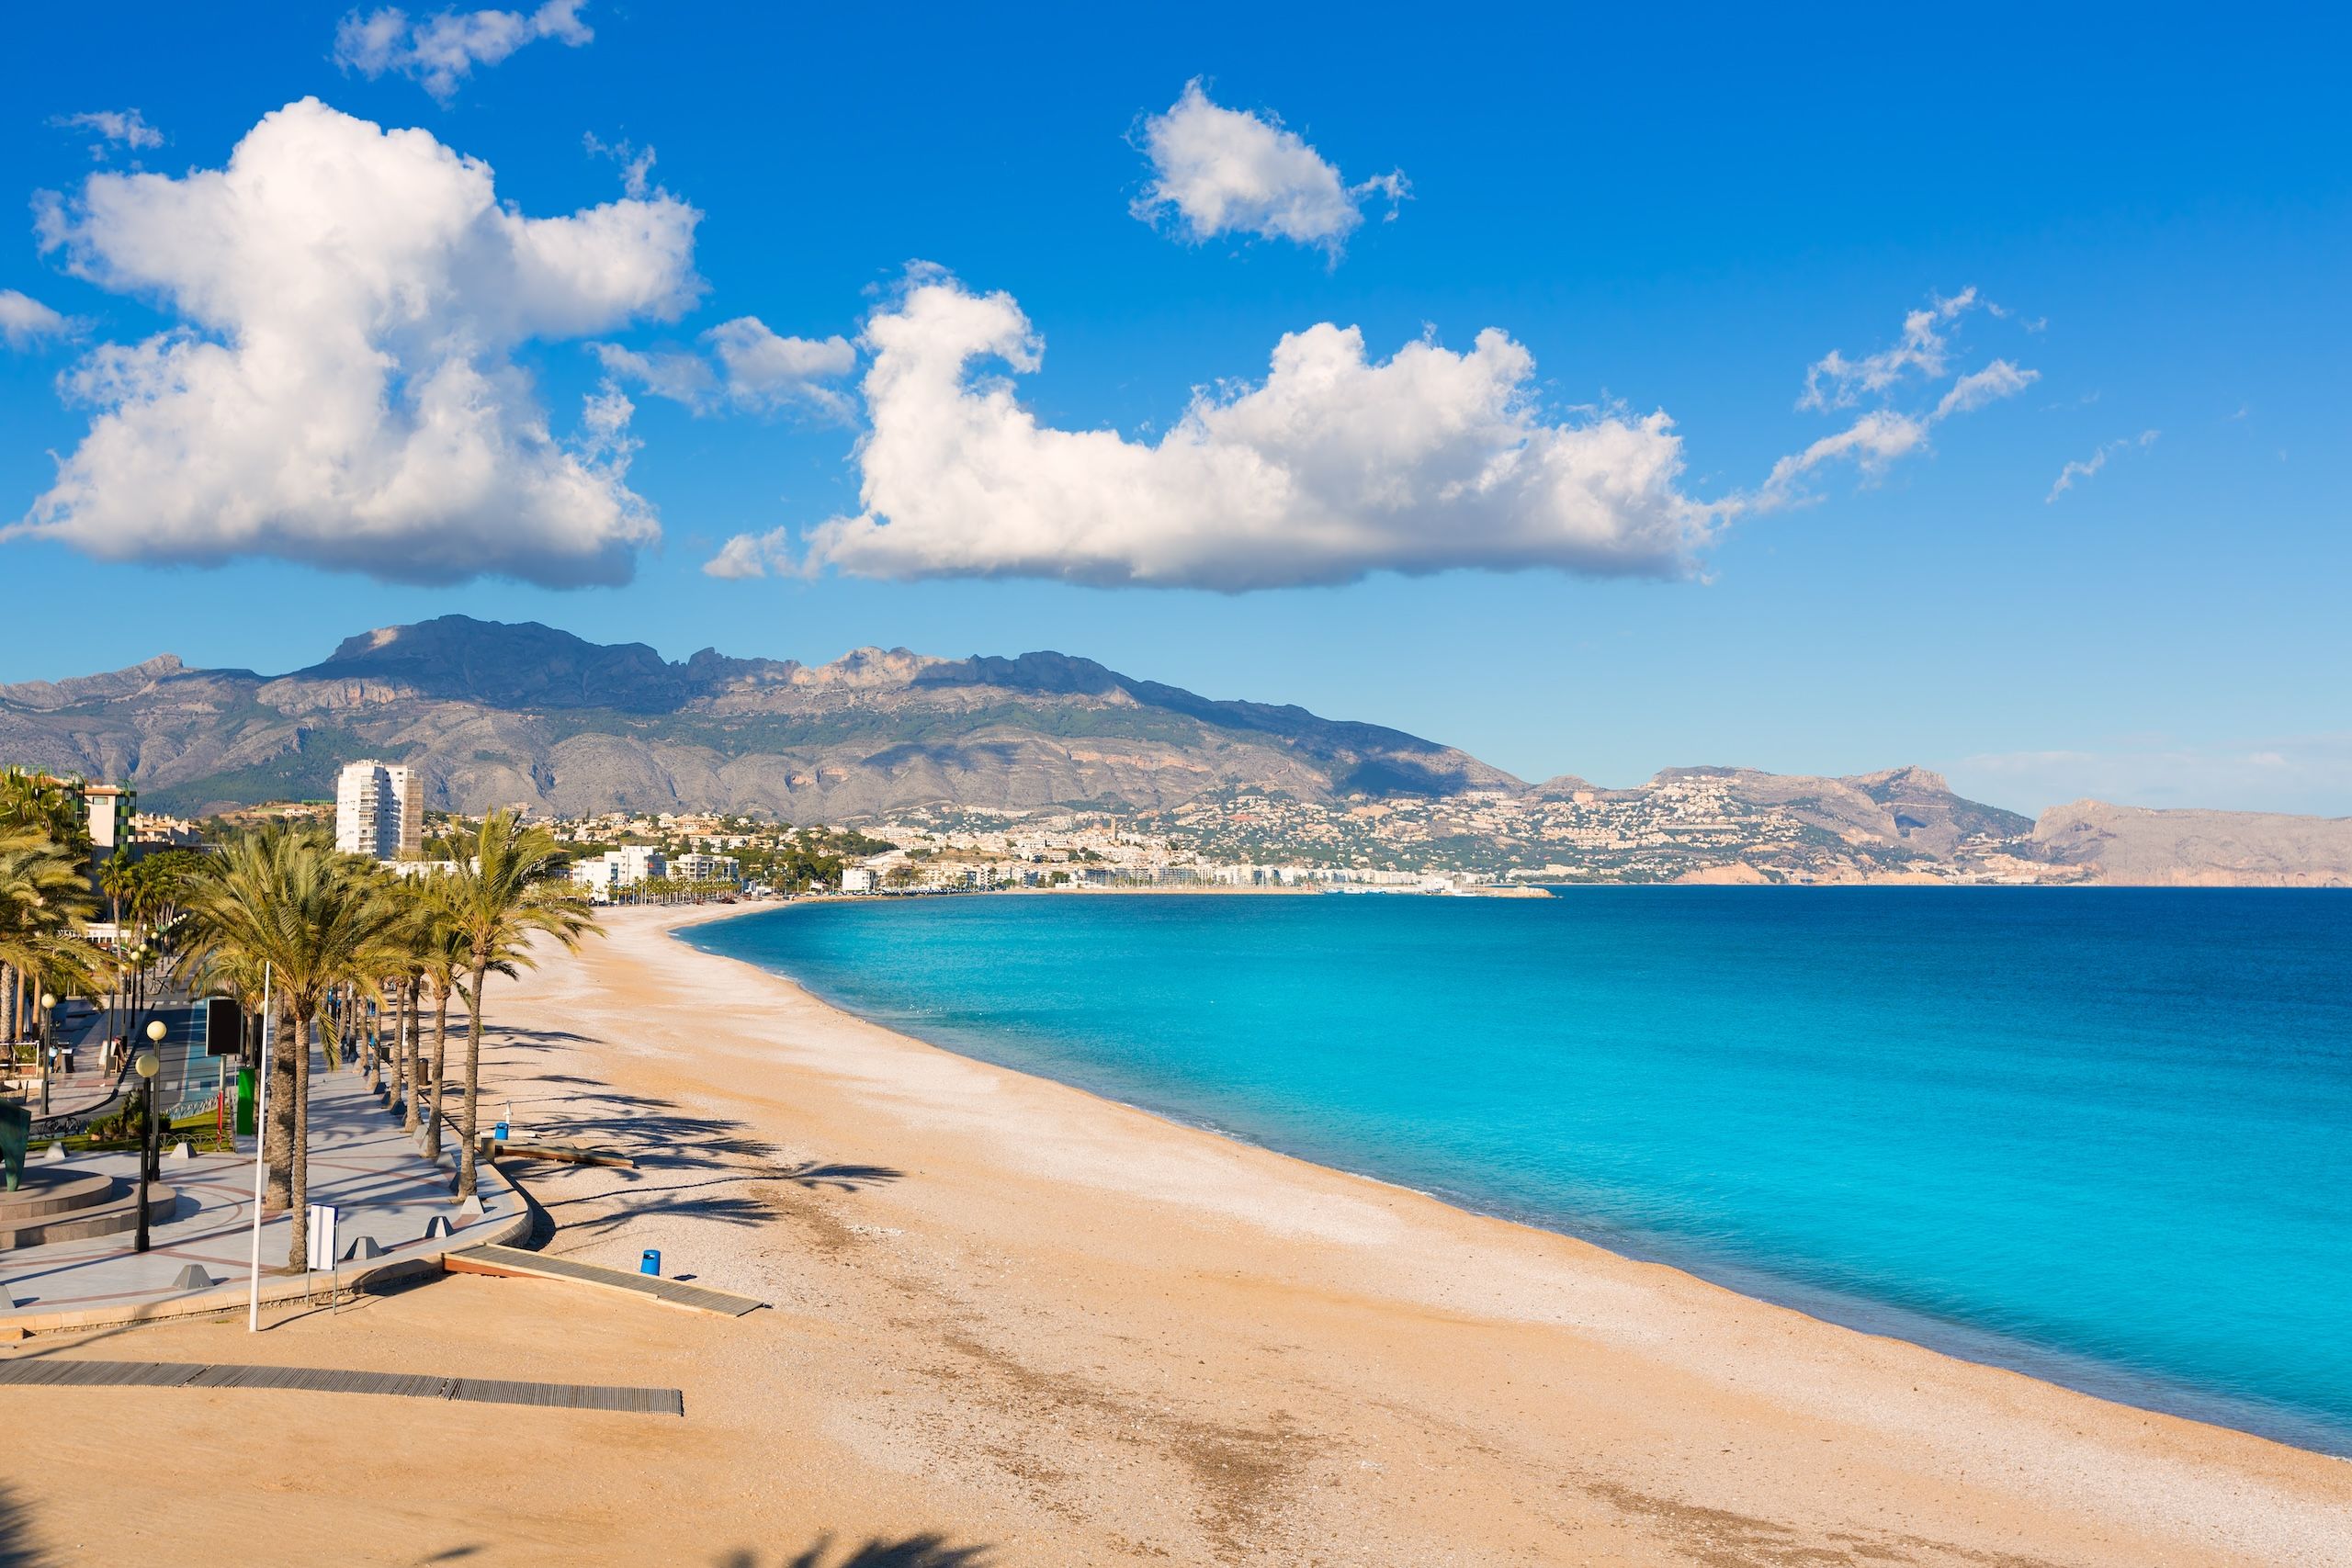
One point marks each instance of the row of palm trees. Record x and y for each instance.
(44, 898)
(338, 942)
(671, 889)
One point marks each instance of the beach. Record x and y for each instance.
(1015, 1322)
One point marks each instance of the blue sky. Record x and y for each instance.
(1681, 215)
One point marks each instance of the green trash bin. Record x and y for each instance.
(244, 1102)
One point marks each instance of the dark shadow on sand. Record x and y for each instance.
(909, 1552)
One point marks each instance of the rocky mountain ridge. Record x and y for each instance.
(499, 715)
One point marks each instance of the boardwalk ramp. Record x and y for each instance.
(514, 1263)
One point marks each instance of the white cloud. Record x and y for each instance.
(1220, 171)
(343, 391)
(1334, 466)
(680, 377)
(752, 555)
(764, 370)
(440, 51)
(2083, 467)
(1835, 381)
(637, 163)
(25, 320)
(1871, 443)
(1879, 438)
(1973, 392)
(112, 128)
(755, 369)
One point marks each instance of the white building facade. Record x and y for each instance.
(380, 811)
(614, 870)
(707, 868)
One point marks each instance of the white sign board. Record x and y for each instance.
(322, 1217)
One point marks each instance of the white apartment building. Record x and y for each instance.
(857, 879)
(380, 811)
(706, 868)
(615, 869)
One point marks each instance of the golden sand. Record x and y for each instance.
(1015, 1324)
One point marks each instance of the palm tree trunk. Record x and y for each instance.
(410, 1042)
(400, 1048)
(278, 1138)
(298, 1250)
(473, 1083)
(440, 1058)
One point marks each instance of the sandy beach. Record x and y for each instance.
(1015, 1324)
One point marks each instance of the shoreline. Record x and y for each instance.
(2073, 1372)
(1014, 1318)
(1998, 1385)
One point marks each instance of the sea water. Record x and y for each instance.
(2101, 1135)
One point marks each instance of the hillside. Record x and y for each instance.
(2129, 845)
(499, 715)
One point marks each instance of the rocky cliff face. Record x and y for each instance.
(500, 715)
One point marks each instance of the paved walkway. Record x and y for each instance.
(360, 1161)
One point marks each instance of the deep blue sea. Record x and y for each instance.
(2103, 1136)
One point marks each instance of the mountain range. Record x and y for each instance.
(500, 715)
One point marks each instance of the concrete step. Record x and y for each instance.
(51, 1189)
(117, 1215)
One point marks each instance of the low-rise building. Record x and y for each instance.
(706, 868)
(616, 870)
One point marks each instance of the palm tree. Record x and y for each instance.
(287, 899)
(442, 951)
(42, 894)
(513, 889)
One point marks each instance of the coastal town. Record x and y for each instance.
(1698, 825)
(1695, 827)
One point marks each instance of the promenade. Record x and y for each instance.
(361, 1162)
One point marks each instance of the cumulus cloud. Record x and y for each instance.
(1217, 171)
(1335, 466)
(751, 367)
(109, 128)
(439, 51)
(763, 369)
(752, 555)
(2083, 468)
(1882, 435)
(341, 389)
(25, 320)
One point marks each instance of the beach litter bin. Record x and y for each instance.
(651, 1263)
(499, 1132)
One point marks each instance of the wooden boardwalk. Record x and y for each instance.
(511, 1262)
(63, 1372)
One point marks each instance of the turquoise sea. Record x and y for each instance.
(2103, 1136)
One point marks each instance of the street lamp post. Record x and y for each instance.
(148, 1063)
(48, 1033)
(151, 1150)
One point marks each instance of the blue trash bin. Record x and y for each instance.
(652, 1262)
(499, 1132)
